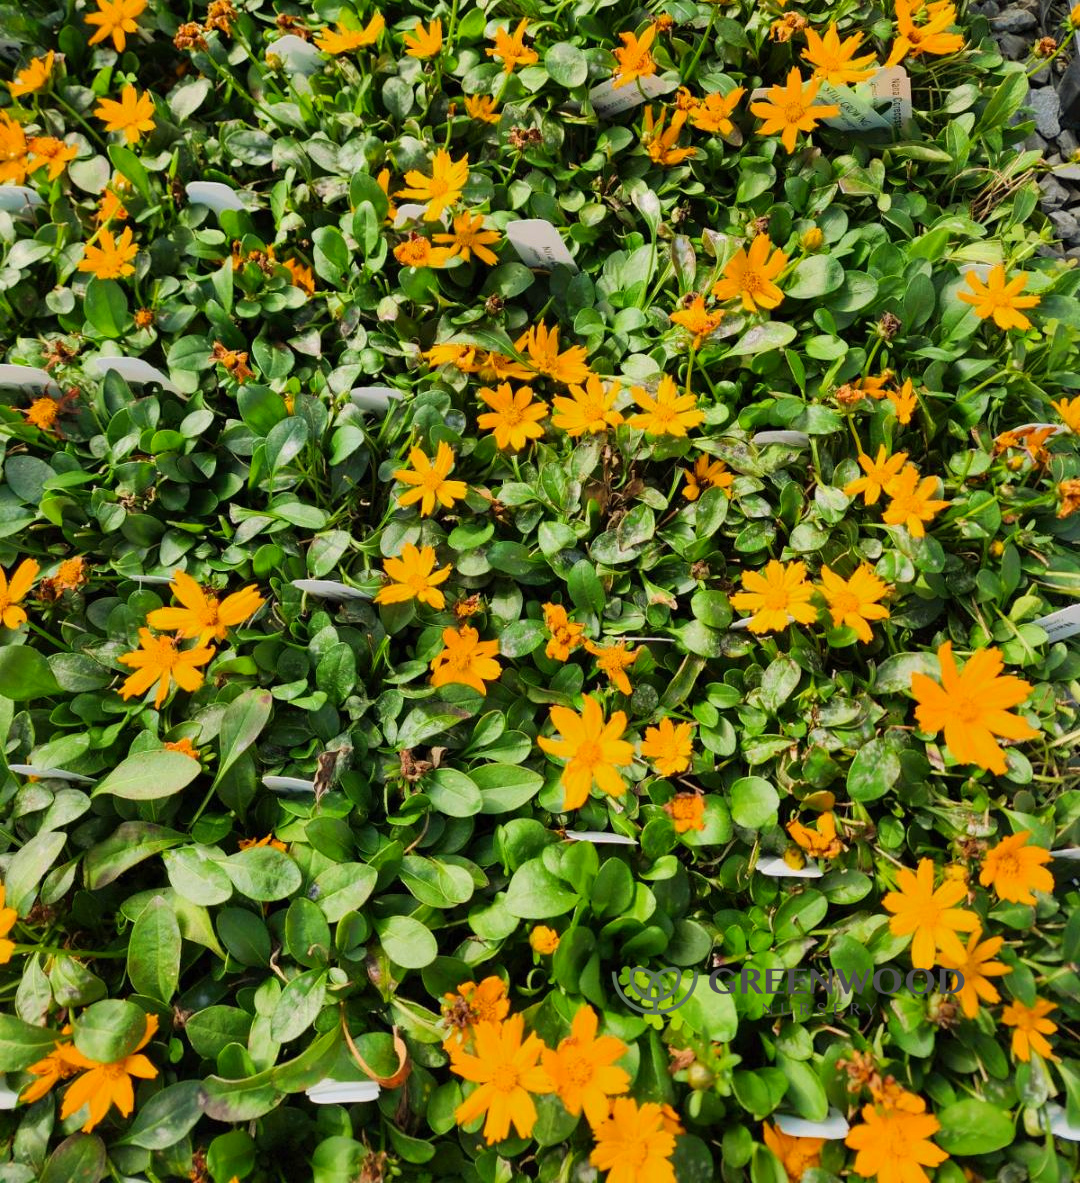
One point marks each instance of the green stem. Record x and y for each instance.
(57, 950)
(48, 636)
(688, 76)
(94, 135)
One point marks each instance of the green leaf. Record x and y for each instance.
(298, 1006)
(105, 306)
(154, 946)
(435, 883)
(406, 942)
(973, 1127)
(778, 683)
(344, 888)
(210, 1030)
(505, 787)
(166, 1118)
(263, 874)
(453, 793)
(79, 1159)
(586, 590)
(331, 255)
(129, 845)
(815, 276)
(25, 674)
(566, 64)
(28, 866)
(535, 894)
(873, 772)
(243, 722)
(146, 776)
(109, 1030)
(754, 803)
(22, 1044)
(773, 334)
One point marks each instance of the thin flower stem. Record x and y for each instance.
(56, 949)
(94, 135)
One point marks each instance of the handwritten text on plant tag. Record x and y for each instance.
(539, 244)
(608, 101)
(1059, 625)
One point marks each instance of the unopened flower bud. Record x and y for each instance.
(813, 239)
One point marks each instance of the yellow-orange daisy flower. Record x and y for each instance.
(776, 597)
(929, 916)
(592, 748)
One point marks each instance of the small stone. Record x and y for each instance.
(1055, 195)
(1013, 20)
(1046, 108)
(1054, 159)
(1067, 143)
(990, 8)
(1073, 253)
(1035, 143)
(1014, 48)
(1065, 225)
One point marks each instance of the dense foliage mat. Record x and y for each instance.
(505, 509)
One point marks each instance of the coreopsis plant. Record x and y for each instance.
(538, 573)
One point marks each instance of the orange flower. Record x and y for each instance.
(114, 19)
(668, 413)
(565, 634)
(514, 417)
(929, 916)
(750, 276)
(507, 1071)
(790, 109)
(542, 346)
(429, 480)
(999, 299)
(103, 1085)
(928, 35)
(13, 158)
(1015, 870)
(442, 189)
(184, 746)
(233, 360)
(466, 660)
(1068, 497)
(590, 409)
(713, 113)
(904, 402)
(511, 50)
(820, 842)
(834, 60)
(8, 917)
(11, 594)
(301, 277)
(416, 251)
(1069, 410)
(796, 1155)
(776, 597)
(414, 577)
(582, 1068)
(687, 812)
(854, 602)
(669, 746)
(614, 660)
(159, 660)
(471, 1005)
(114, 258)
(634, 58)
(893, 1143)
(592, 748)
(269, 840)
(344, 39)
(132, 115)
(660, 143)
(707, 471)
(424, 43)
(913, 501)
(203, 616)
(696, 319)
(1032, 1028)
(635, 1143)
(481, 107)
(881, 473)
(976, 967)
(50, 1070)
(544, 940)
(33, 77)
(470, 238)
(972, 707)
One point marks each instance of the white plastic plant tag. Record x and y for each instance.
(297, 55)
(982, 270)
(799, 438)
(1060, 1126)
(215, 195)
(411, 211)
(539, 244)
(599, 838)
(894, 84)
(776, 868)
(376, 399)
(856, 105)
(608, 101)
(131, 369)
(330, 589)
(1056, 428)
(1062, 624)
(150, 578)
(288, 784)
(740, 624)
(1068, 852)
(75, 778)
(13, 375)
(833, 1128)
(17, 199)
(8, 1099)
(343, 1092)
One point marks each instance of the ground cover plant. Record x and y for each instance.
(501, 501)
